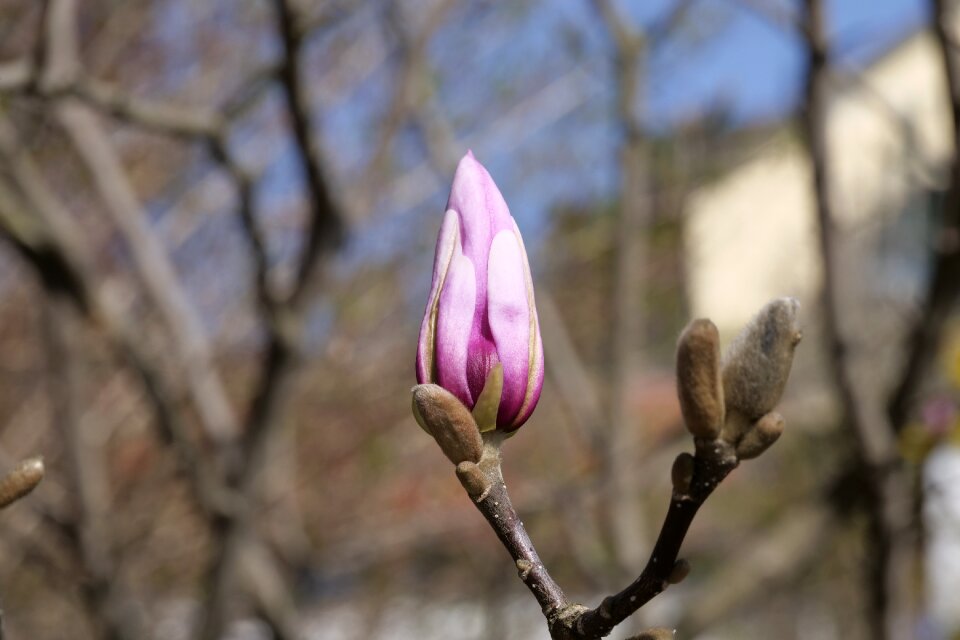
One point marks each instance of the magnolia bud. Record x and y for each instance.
(481, 309)
(757, 364)
(448, 421)
(699, 384)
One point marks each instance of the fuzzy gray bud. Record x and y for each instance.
(757, 365)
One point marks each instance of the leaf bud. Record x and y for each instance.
(699, 384)
(450, 423)
(758, 438)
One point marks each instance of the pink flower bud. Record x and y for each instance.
(481, 309)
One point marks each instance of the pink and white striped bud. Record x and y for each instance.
(481, 309)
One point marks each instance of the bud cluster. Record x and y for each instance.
(732, 398)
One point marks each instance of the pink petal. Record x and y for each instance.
(483, 211)
(535, 372)
(508, 311)
(455, 317)
(468, 197)
(447, 243)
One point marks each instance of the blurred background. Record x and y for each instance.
(217, 222)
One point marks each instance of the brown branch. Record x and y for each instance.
(326, 225)
(887, 490)
(182, 122)
(944, 285)
(253, 232)
(628, 329)
(283, 317)
(409, 82)
(775, 15)
(226, 499)
(45, 235)
(111, 607)
(494, 503)
(190, 123)
(713, 461)
(63, 263)
(150, 260)
(728, 405)
(154, 269)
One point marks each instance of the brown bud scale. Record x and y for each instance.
(448, 421)
(699, 384)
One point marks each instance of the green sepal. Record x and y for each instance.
(488, 403)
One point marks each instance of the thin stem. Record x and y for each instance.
(713, 461)
(497, 508)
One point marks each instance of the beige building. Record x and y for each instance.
(751, 234)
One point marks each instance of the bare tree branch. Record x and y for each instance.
(326, 227)
(944, 285)
(324, 233)
(47, 237)
(154, 269)
(711, 464)
(888, 492)
(184, 122)
(408, 90)
(628, 329)
(105, 590)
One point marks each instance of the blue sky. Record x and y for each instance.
(753, 66)
(499, 55)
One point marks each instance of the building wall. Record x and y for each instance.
(751, 235)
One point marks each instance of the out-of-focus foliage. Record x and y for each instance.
(361, 517)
